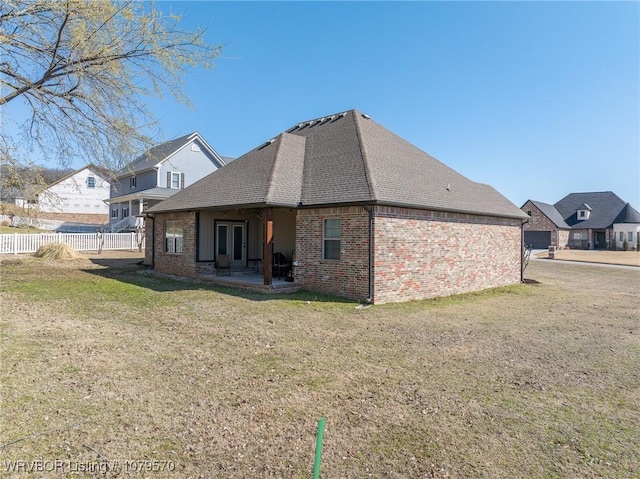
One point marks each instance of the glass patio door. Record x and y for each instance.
(231, 239)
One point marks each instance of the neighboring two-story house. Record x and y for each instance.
(77, 200)
(156, 175)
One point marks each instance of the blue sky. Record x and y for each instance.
(536, 99)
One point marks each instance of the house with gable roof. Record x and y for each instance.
(75, 202)
(156, 175)
(357, 210)
(581, 221)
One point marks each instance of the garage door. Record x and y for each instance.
(537, 239)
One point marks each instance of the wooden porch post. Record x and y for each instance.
(267, 253)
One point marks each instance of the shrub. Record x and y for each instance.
(638, 241)
(625, 245)
(5, 223)
(57, 251)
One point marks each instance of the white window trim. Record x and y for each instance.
(89, 182)
(173, 175)
(172, 225)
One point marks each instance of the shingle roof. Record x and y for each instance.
(160, 152)
(628, 215)
(552, 213)
(155, 192)
(605, 206)
(345, 158)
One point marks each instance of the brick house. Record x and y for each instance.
(356, 209)
(579, 221)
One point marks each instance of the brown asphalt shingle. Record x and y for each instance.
(345, 158)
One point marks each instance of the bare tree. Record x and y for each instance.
(82, 70)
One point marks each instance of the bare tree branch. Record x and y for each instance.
(84, 71)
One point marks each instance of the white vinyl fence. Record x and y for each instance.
(20, 243)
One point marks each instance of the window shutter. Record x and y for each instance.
(181, 181)
(168, 179)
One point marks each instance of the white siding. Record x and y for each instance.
(73, 195)
(625, 229)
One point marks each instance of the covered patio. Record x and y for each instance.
(251, 246)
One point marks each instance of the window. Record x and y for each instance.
(621, 236)
(133, 182)
(125, 212)
(173, 237)
(114, 213)
(331, 239)
(579, 236)
(175, 180)
(529, 212)
(630, 236)
(91, 182)
(581, 214)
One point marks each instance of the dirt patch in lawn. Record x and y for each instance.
(532, 381)
(627, 258)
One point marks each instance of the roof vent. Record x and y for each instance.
(364, 115)
(267, 143)
(448, 186)
(343, 114)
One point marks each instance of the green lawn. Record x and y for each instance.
(104, 363)
(11, 230)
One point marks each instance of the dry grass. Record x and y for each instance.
(534, 381)
(56, 251)
(628, 258)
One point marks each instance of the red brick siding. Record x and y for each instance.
(148, 235)
(424, 254)
(348, 277)
(417, 254)
(183, 264)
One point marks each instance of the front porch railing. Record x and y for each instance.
(127, 224)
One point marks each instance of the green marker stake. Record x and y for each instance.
(316, 464)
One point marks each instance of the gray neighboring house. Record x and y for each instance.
(352, 207)
(156, 175)
(581, 221)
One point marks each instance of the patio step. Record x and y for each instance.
(234, 281)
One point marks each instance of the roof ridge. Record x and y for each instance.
(367, 170)
(268, 195)
(541, 202)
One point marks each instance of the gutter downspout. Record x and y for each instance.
(153, 240)
(369, 210)
(522, 250)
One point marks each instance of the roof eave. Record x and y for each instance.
(523, 216)
(246, 206)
